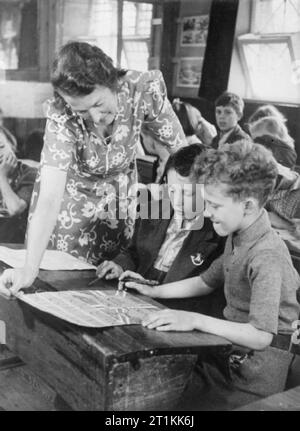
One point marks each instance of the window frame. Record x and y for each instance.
(251, 39)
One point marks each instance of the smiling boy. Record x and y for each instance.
(260, 282)
(229, 109)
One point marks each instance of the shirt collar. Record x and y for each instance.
(223, 137)
(182, 224)
(253, 232)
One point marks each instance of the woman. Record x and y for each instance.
(82, 200)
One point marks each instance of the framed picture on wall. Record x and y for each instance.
(189, 72)
(194, 30)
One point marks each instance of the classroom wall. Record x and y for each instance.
(237, 83)
(187, 8)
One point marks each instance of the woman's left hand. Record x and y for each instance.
(171, 320)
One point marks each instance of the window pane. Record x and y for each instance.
(137, 21)
(94, 22)
(18, 34)
(10, 26)
(270, 70)
(135, 55)
(276, 16)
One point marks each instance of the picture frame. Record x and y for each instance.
(189, 71)
(194, 30)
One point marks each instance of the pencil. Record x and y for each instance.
(94, 281)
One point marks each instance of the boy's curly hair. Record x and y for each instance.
(248, 170)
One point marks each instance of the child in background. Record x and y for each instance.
(259, 280)
(273, 134)
(7, 137)
(16, 185)
(195, 127)
(266, 111)
(229, 109)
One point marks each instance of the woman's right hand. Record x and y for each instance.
(109, 269)
(14, 279)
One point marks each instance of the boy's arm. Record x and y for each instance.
(242, 334)
(187, 288)
(212, 278)
(265, 274)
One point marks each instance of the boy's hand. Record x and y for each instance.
(109, 269)
(170, 320)
(143, 289)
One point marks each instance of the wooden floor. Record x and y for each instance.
(21, 390)
(285, 401)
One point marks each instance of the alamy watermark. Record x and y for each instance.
(295, 339)
(151, 202)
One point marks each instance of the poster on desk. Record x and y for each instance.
(92, 308)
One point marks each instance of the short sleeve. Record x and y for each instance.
(59, 140)
(159, 118)
(214, 275)
(265, 277)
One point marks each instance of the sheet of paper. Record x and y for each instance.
(91, 308)
(52, 260)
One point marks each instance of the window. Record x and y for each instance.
(276, 16)
(136, 26)
(121, 29)
(18, 34)
(269, 53)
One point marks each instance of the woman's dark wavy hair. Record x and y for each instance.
(79, 67)
(183, 161)
(247, 169)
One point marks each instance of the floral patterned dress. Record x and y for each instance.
(97, 213)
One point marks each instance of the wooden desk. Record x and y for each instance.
(115, 368)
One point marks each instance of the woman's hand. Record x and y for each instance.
(143, 289)
(14, 279)
(171, 320)
(109, 269)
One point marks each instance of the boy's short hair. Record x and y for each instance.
(233, 100)
(248, 170)
(182, 161)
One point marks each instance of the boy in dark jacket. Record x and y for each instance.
(229, 109)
